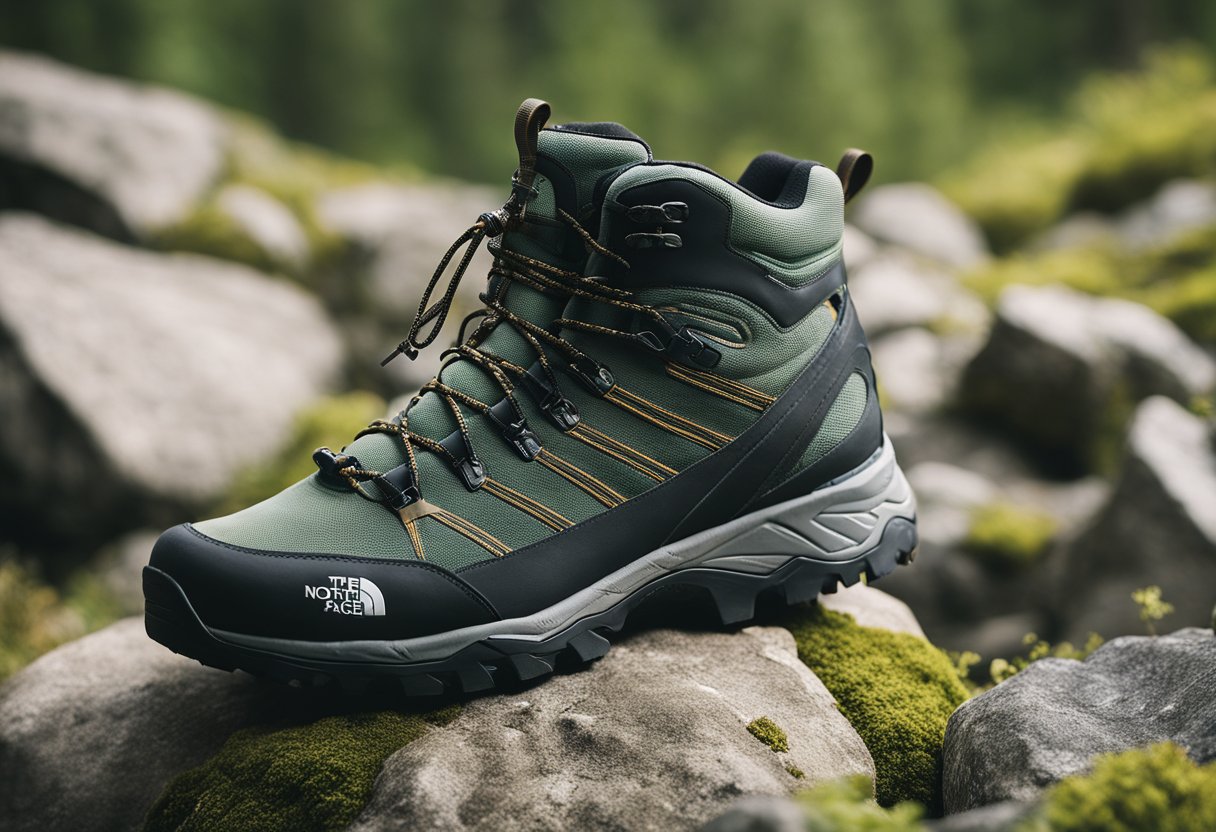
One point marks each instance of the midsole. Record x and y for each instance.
(835, 523)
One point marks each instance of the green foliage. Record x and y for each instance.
(963, 661)
(1176, 278)
(1124, 136)
(36, 617)
(896, 689)
(1008, 538)
(1001, 669)
(331, 422)
(769, 733)
(1152, 606)
(846, 805)
(309, 777)
(1156, 788)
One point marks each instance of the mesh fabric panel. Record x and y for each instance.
(589, 157)
(844, 415)
(308, 517)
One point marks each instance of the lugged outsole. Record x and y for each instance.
(496, 662)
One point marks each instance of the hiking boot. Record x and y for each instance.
(668, 387)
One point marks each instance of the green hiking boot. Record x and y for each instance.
(668, 386)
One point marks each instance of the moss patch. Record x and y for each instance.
(310, 777)
(1123, 137)
(331, 422)
(769, 733)
(1006, 538)
(896, 689)
(847, 806)
(36, 617)
(1157, 788)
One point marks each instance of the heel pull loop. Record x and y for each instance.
(529, 119)
(854, 171)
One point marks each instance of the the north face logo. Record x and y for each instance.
(348, 596)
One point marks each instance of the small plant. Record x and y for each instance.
(1152, 606)
(1002, 669)
(769, 733)
(963, 662)
(848, 805)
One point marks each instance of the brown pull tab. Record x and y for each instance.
(529, 119)
(854, 171)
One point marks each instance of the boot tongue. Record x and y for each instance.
(574, 163)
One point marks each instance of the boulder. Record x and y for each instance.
(760, 814)
(652, 736)
(1050, 720)
(135, 385)
(113, 156)
(91, 732)
(268, 223)
(894, 290)
(1157, 528)
(1060, 366)
(1180, 206)
(917, 217)
(918, 370)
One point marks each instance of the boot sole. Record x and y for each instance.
(862, 525)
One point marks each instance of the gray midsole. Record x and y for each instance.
(834, 523)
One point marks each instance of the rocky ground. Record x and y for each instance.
(183, 291)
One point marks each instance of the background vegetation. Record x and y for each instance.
(919, 82)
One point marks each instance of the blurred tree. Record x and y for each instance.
(918, 82)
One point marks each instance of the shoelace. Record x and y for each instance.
(511, 266)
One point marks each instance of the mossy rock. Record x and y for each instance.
(309, 777)
(1123, 136)
(896, 689)
(331, 422)
(769, 733)
(1009, 539)
(1156, 788)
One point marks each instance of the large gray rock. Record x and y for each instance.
(653, 736)
(118, 157)
(268, 223)
(1050, 720)
(894, 290)
(1157, 528)
(136, 385)
(917, 217)
(1058, 362)
(397, 235)
(91, 733)
(1180, 206)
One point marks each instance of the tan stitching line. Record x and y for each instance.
(724, 387)
(580, 478)
(608, 439)
(473, 532)
(606, 445)
(690, 433)
(415, 539)
(524, 503)
(675, 417)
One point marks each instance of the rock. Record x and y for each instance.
(598, 749)
(1059, 364)
(859, 248)
(91, 732)
(872, 608)
(917, 217)
(998, 817)
(760, 814)
(113, 156)
(1180, 206)
(895, 290)
(1050, 720)
(1076, 230)
(401, 232)
(1158, 528)
(919, 371)
(135, 385)
(267, 222)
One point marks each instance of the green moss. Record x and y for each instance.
(896, 689)
(847, 806)
(795, 772)
(1123, 137)
(211, 231)
(331, 422)
(1007, 538)
(36, 617)
(1156, 788)
(1001, 669)
(310, 777)
(769, 733)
